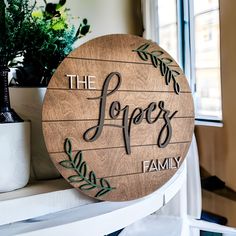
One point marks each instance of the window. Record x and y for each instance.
(189, 31)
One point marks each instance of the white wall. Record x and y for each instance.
(105, 16)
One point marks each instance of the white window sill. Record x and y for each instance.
(208, 123)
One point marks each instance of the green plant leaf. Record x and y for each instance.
(87, 187)
(175, 73)
(104, 183)
(168, 75)
(157, 53)
(154, 60)
(83, 168)
(162, 68)
(67, 164)
(143, 55)
(102, 192)
(142, 47)
(68, 147)
(78, 158)
(166, 60)
(92, 177)
(176, 87)
(84, 30)
(80, 167)
(75, 179)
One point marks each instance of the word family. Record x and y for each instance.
(159, 165)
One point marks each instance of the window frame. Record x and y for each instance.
(186, 51)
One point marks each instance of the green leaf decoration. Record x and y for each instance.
(66, 164)
(175, 73)
(87, 179)
(166, 60)
(163, 63)
(92, 177)
(157, 53)
(68, 147)
(162, 68)
(141, 51)
(104, 183)
(168, 76)
(75, 179)
(83, 168)
(101, 192)
(143, 47)
(143, 55)
(154, 61)
(78, 159)
(87, 186)
(177, 88)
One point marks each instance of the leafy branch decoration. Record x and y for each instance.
(87, 179)
(163, 64)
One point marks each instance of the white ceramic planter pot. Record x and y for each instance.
(15, 155)
(28, 103)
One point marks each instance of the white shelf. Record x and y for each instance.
(92, 219)
(39, 198)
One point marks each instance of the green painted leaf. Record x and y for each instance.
(154, 60)
(75, 179)
(143, 55)
(175, 73)
(166, 60)
(162, 68)
(80, 167)
(87, 187)
(67, 164)
(176, 87)
(168, 75)
(104, 183)
(102, 192)
(83, 168)
(157, 53)
(78, 159)
(92, 177)
(143, 47)
(68, 147)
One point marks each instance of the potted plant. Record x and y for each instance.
(46, 37)
(14, 132)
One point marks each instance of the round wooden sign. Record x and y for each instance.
(118, 117)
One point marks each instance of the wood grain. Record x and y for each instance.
(143, 134)
(68, 113)
(135, 77)
(74, 105)
(118, 160)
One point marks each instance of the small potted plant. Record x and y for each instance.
(14, 132)
(46, 37)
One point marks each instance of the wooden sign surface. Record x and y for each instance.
(118, 117)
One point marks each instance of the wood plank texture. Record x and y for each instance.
(74, 105)
(135, 77)
(143, 134)
(142, 74)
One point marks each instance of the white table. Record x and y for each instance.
(54, 208)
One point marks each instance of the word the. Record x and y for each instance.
(86, 81)
(129, 117)
(158, 165)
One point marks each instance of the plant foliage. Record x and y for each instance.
(163, 63)
(42, 37)
(87, 179)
